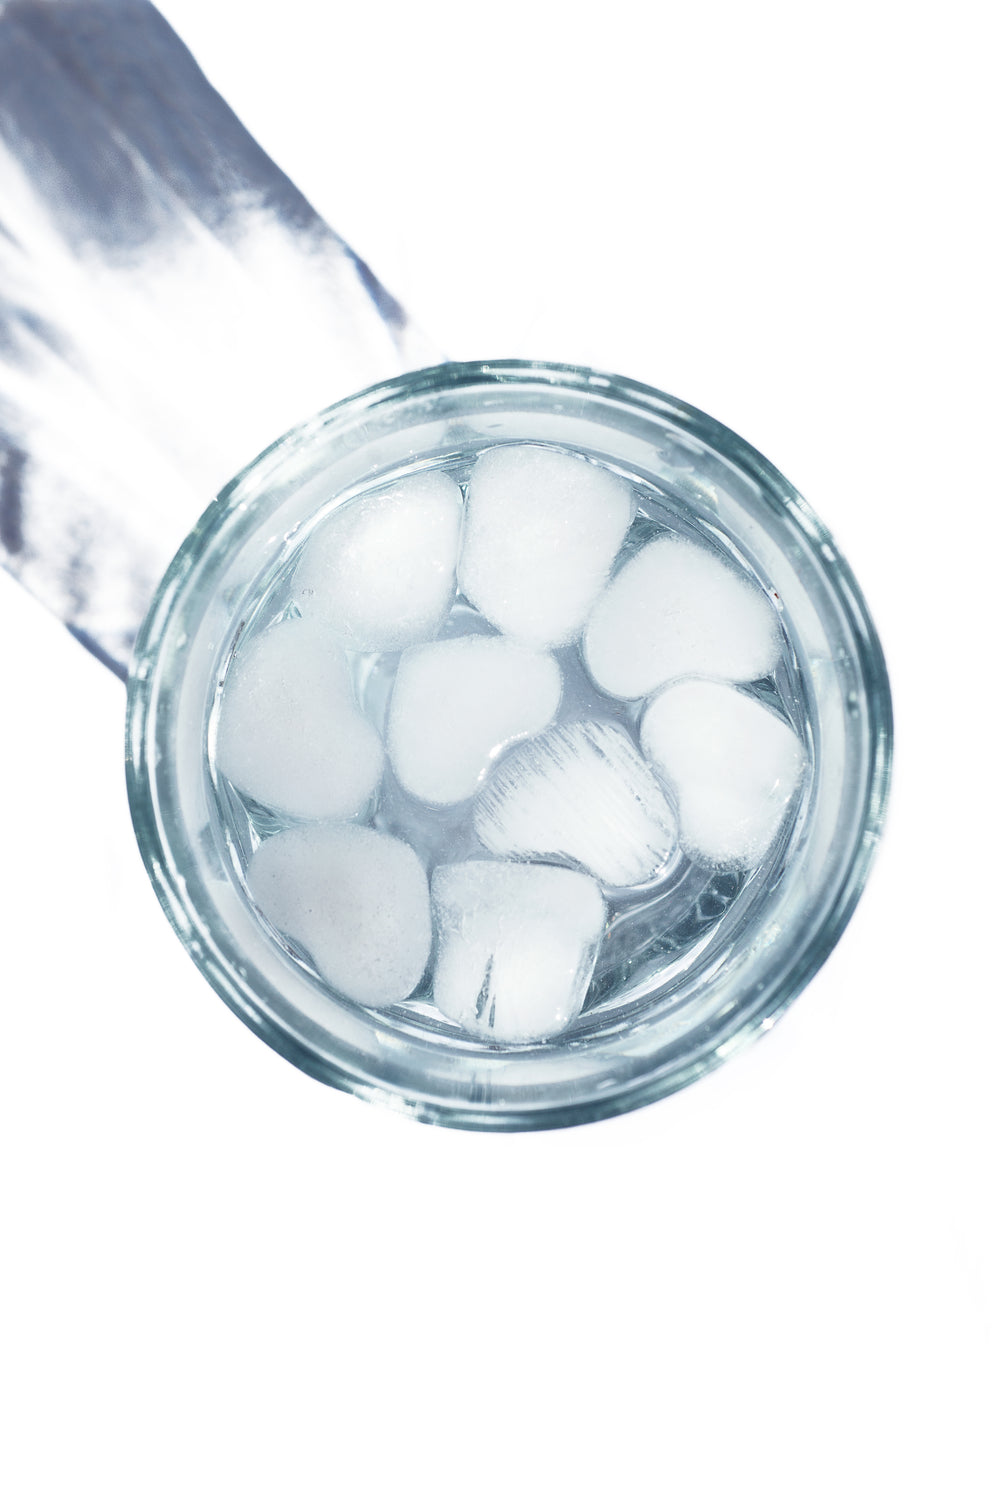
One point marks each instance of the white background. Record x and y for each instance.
(223, 1278)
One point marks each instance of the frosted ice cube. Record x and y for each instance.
(381, 571)
(456, 702)
(732, 763)
(541, 531)
(290, 734)
(581, 793)
(355, 899)
(517, 945)
(676, 609)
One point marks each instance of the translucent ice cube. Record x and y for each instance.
(355, 899)
(456, 702)
(580, 793)
(733, 766)
(676, 609)
(516, 946)
(381, 572)
(290, 734)
(541, 531)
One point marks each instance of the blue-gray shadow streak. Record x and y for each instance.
(118, 149)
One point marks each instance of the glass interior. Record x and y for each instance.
(656, 932)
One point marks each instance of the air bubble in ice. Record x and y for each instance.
(290, 734)
(381, 571)
(456, 702)
(355, 899)
(579, 793)
(541, 531)
(676, 609)
(732, 763)
(517, 945)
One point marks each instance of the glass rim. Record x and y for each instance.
(231, 509)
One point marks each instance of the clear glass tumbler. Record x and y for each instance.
(687, 976)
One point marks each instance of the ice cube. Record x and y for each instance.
(355, 899)
(290, 734)
(676, 609)
(541, 531)
(580, 793)
(732, 764)
(517, 945)
(381, 571)
(456, 703)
